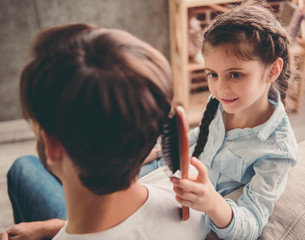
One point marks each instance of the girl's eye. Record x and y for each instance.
(235, 75)
(212, 75)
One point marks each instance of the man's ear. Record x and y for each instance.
(275, 70)
(53, 148)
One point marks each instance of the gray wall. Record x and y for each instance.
(21, 19)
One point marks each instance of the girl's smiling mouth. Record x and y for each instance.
(228, 100)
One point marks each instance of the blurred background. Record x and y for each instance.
(21, 19)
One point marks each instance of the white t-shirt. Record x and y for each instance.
(158, 218)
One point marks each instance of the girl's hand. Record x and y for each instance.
(198, 193)
(201, 195)
(33, 230)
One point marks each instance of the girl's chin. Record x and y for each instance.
(230, 109)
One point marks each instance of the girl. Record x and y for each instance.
(245, 138)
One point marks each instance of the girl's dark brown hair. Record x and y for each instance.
(104, 94)
(250, 32)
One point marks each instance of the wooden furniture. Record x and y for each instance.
(190, 86)
(295, 91)
(296, 85)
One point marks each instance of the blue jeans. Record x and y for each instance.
(36, 195)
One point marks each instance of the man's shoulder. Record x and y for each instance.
(158, 218)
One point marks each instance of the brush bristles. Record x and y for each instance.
(170, 144)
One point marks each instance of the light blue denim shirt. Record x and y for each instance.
(257, 158)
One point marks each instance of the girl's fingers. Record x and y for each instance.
(188, 185)
(197, 191)
(183, 202)
(181, 192)
(187, 196)
(202, 170)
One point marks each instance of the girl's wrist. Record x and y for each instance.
(221, 214)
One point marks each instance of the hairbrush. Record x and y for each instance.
(175, 147)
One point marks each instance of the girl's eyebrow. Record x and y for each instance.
(232, 69)
(229, 69)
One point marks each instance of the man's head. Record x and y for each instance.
(103, 95)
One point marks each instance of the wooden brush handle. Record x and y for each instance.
(182, 126)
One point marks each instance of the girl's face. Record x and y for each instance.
(241, 86)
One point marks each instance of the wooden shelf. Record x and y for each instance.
(296, 83)
(192, 66)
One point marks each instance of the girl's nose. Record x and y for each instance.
(223, 85)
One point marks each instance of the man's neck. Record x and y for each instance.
(88, 213)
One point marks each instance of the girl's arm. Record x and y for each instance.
(201, 195)
(34, 230)
(247, 218)
(255, 205)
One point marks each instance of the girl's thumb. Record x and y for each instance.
(201, 168)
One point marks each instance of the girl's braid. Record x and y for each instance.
(208, 116)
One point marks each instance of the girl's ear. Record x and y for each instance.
(53, 148)
(275, 70)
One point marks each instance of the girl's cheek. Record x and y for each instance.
(210, 85)
(212, 89)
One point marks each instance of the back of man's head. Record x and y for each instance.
(103, 94)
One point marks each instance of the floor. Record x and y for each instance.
(10, 151)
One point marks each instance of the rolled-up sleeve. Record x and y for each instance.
(255, 205)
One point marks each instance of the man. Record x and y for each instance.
(97, 100)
